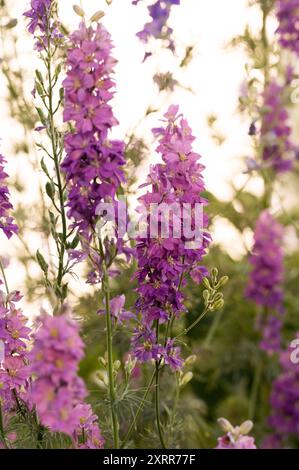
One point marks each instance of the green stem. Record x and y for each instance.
(213, 329)
(265, 42)
(4, 277)
(112, 394)
(255, 390)
(140, 408)
(56, 158)
(157, 405)
(186, 330)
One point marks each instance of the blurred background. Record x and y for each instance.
(205, 75)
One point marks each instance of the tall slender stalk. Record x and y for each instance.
(109, 342)
(139, 409)
(56, 155)
(157, 405)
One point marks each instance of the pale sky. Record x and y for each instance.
(215, 76)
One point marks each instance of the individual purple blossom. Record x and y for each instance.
(164, 259)
(266, 278)
(117, 310)
(38, 14)
(235, 437)
(172, 355)
(157, 28)
(7, 224)
(288, 18)
(278, 150)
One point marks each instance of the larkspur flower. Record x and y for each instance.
(288, 18)
(266, 277)
(7, 224)
(278, 150)
(118, 312)
(87, 434)
(93, 163)
(43, 23)
(235, 437)
(163, 261)
(56, 388)
(284, 399)
(157, 28)
(14, 335)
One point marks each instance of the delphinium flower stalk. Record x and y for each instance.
(287, 12)
(270, 125)
(14, 334)
(158, 28)
(278, 151)
(284, 400)
(7, 224)
(235, 437)
(266, 278)
(165, 262)
(93, 163)
(56, 391)
(44, 25)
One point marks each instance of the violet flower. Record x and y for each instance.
(284, 400)
(7, 224)
(57, 392)
(278, 150)
(288, 18)
(235, 437)
(163, 261)
(266, 277)
(14, 335)
(42, 23)
(117, 310)
(93, 163)
(157, 28)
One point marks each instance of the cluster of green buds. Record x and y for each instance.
(213, 299)
(185, 377)
(101, 376)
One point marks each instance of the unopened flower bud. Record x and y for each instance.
(102, 375)
(190, 360)
(185, 379)
(206, 283)
(222, 281)
(218, 304)
(78, 10)
(246, 427)
(97, 16)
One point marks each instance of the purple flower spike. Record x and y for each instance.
(7, 224)
(265, 281)
(164, 258)
(288, 17)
